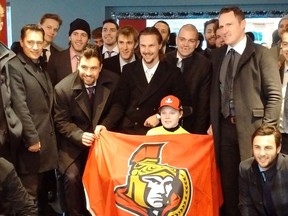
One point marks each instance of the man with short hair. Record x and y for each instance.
(127, 37)
(82, 100)
(65, 62)
(13, 196)
(245, 92)
(97, 36)
(143, 83)
(32, 100)
(263, 179)
(51, 24)
(210, 36)
(164, 29)
(109, 32)
(196, 70)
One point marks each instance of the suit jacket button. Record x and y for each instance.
(135, 123)
(137, 108)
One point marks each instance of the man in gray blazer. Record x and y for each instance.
(253, 98)
(32, 100)
(82, 101)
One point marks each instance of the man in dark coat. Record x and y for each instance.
(253, 98)
(263, 181)
(65, 62)
(82, 101)
(32, 99)
(144, 83)
(196, 70)
(12, 192)
(127, 38)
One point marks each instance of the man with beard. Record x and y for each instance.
(144, 83)
(82, 100)
(210, 36)
(65, 62)
(263, 182)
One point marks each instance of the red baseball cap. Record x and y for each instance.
(171, 101)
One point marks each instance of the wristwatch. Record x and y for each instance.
(158, 116)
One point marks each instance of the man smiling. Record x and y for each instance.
(82, 100)
(263, 178)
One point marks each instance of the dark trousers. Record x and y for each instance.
(73, 188)
(229, 168)
(284, 144)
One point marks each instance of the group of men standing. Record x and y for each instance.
(63, 100)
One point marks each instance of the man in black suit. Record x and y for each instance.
(32, 99)
(109, 32)
(164, 29)
(144, 83)
(245, 92)
(196, 70)
(65, 62)
(82, 101)
(127, 37)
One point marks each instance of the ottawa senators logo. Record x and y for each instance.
(152, 188)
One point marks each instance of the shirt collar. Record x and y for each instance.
(73, 53)
(122, 62)
(115, 49)
(151, 70)
(239, 47)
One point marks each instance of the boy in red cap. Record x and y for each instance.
(170, 112)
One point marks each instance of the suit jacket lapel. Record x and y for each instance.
(159, 76)
(81, 97)
(38, 76)
(100, 99)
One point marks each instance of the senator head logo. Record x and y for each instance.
(153, 188)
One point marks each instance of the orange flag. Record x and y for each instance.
(161, 175)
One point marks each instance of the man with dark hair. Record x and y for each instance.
(263, 181)
(109, 32)
(127, 38)
(13, 196)
(82, 101)
(210, 27)
(65, 62)
(97, 36)
(32, 99)
(144, 83)
(164, 29)
(245, 92)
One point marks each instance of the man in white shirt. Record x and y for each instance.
(109, 32)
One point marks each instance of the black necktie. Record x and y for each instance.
(90, 91)
(228, 85)
(44, 52)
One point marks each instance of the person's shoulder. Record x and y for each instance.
(67, 81)
(108, 75)
(246, 164)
